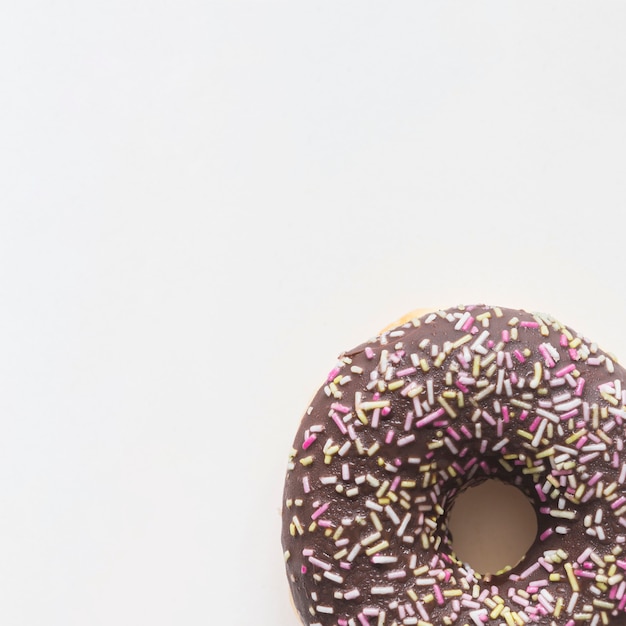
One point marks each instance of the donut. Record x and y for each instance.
(408, 420)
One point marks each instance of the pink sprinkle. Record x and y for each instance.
(579, 387)
(363, 619)
(465, 431)
(385, 411)
(320, 511)
(405, 372)
(389, 437)
(505, 336)
(470, 463)
(340, 407)
(582, 441)
(453, 433)
(595, 478)
(529, 324)
(395, 483)
(547, 566)
(438, 595)
(564, 341)
(462, 387)
(573, 354)
(457, 467)
(369, 353)
(542, 496)
(618, 503)
(303, 569)
(523, 415)
(333, 374)
(566, 416)
(468, 323)
(566, 370)
(307, 442)
(340, 424)
(546, 355)
(488, 418)
(545, 534)
(431, 417)
(519, 356)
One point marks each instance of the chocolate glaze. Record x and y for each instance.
(406, 421)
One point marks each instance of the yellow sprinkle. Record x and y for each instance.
(378, 404)
(505, 465)
(558, 607)
(576, 436)
(459, 342)
(449, 410)
(373, 449)
(609, 398)
(476, 366)
(545, 453)
(377, 548)
(376, 521)
(603, 604)
(396, 384)
(339, 555)
(307, 460)
(534, 383)
(571, 577)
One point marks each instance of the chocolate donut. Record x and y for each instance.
(408, 420)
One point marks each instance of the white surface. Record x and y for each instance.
(203, 203)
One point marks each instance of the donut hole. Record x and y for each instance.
(492, 526)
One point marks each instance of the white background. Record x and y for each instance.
(203, 203)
